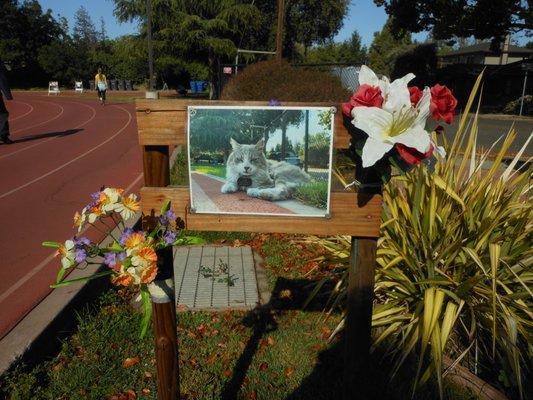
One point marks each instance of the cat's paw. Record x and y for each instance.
(253, 192)
(229, 187)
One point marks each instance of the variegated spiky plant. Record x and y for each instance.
(454, 261)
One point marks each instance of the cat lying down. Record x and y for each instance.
(248, 170)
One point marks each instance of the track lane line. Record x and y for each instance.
(43, 122)
(72, 160)
(54, 137)
(47, 260)
(23, 115)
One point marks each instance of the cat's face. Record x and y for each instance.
(247, 159)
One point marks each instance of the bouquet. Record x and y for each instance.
(393, 115)
(131, 258)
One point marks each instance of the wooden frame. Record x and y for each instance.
(163, 123)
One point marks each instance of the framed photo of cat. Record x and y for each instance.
(260, 160)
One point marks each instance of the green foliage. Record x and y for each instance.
(513, 107)
(313, 193)
(483, 19)
(270, 80)
(385, 49)
(350, 51)
(216, 170)
(454, 264)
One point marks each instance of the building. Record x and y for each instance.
(481, 54)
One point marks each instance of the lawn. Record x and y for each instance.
(276, 352)
(216, 170)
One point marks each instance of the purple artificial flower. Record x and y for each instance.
(127, 232)
(95, 196)
(81, 256)
(169, 237)
(167, 217)
(81, 242)
(121, 256)
(110, 259)
(274, 102)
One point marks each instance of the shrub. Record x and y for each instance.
(513, 107)
(454, 264)
(271, 80)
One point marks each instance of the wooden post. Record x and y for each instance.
(279, 32)
(156, 173)
(360, 296)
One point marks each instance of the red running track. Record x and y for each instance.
(65, 149)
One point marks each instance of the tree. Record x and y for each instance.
(385, 49)
(483, 19)
(85, 33)
(350, 51)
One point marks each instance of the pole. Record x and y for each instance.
(523, 94)
(279, 32)
(306, 142)
(150, 48)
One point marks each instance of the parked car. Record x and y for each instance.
(294, 160)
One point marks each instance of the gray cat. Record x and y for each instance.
(259, 177)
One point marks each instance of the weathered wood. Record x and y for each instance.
(164, 122)
(347, 216)
(166, 349)
(157, 173)
(358, 320)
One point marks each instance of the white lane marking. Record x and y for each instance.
(54, 137)
(71, 161)
(43, 122)
(47, 260)
(23, 115)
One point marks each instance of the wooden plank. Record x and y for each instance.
(164, 122)
(348, 217)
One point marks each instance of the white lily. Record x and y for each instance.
(397, 122)
(68, 254)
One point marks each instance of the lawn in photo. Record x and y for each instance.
(260, 160)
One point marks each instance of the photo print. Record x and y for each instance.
(260, 160)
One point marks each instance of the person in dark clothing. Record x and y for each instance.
(4, 114)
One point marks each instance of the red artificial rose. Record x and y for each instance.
(412, 156)
(443, 104)
(416, 94)
(365, 96)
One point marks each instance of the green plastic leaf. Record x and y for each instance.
(165, 207)
(116, 247)
(85, 278)
(147, 310)
(55, 245)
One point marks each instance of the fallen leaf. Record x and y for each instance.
(211, 360)
(285, 294)
(270, 340)
(316, 347)
(215, 319)
(148, 375)
(193, 362)
(131, 394)
(289, 371)
(252, 395)
(83, 392)
(215, 332)
(228, 373)
(146, 391)
(263, 366)
(201, 329)
(242, 345)
(222, 345)
(130, 362)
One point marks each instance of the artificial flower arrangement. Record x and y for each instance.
(393, 115)
(131, 258)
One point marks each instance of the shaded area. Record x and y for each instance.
(29, 138)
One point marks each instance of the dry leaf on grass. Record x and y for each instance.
(263, 366)
(130, 362)
(252, 395)
(289, 371)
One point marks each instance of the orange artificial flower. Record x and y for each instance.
(149, 274)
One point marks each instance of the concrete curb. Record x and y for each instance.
(40, 332)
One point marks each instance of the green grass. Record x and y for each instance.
(314, 193)
(217, 170)
(276, 354)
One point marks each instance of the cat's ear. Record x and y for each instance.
(234, 144)
(260, 145)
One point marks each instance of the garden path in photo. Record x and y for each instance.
(207, 196)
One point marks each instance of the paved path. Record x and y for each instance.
(65, 149)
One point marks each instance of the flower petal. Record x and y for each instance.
(416, 138)
(398, 96)
(367, 76)
(372, 120)
(373, 151)
(423, 108)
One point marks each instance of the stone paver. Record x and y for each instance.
(195, 290)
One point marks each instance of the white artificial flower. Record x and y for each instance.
(127, 207)
(112, 199)
(68, 254)
(397, 122)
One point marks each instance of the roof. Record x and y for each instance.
(485, 48)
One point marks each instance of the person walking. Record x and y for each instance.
(101, 85)
(4, 114)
